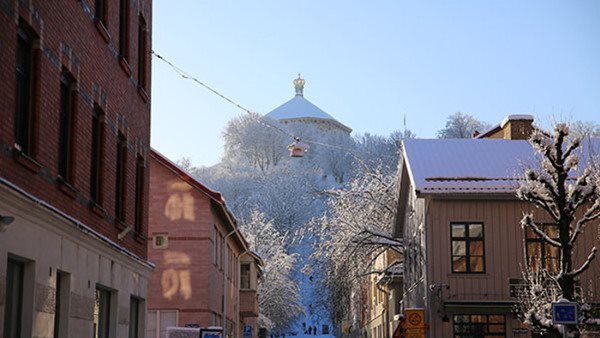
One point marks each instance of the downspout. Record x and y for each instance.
(239, 283)
(425, 230)
(225, 269)
(384, 313)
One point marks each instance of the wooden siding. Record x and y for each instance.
(504, 253)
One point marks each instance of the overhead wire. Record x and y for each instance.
(187, 76)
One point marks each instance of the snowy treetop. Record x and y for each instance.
(474, 165)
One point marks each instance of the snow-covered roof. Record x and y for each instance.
(298, 107)
(472, 165)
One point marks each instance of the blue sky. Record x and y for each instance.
(369, 63)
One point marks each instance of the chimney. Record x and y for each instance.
(517, 127)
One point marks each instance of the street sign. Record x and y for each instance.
(211, 332)
(415, 318)
(564, 313)
(247, 331)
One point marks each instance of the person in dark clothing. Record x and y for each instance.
(310, 330)
(315, 330)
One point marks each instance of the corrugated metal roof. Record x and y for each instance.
(472, 165)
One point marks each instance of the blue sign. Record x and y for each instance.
(247, 331)
(564, 313)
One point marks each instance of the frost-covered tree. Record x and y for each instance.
(568, 190)
(584, 129)
(378, 151)
(255, 139)
(459, 125)
(355, 230)
(279, 298)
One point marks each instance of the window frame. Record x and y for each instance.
(124, 18)
(472, 324)
(13, 319)
(543, 259)
(135, 309)
(101, 12)
(97, 155)
(142, 52)
(26, 78)
(61, 305)
(66, 126)
(121, 178)
(103, 328)
(467, 239)
(140, 191)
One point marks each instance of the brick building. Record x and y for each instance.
(196, 244)
(74, 140)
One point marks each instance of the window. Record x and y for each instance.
(124, 28)
(24, 120)
(468, 253)
(140, 185)
(61, 306)
(97, 152)
(539, 252)
(120, 191)
(142, 51)
(65, 151)
(161, 241)
(102, 312)
(13, 311)
(134, 317)
(101, 11)
(245, 276)
(479, 326)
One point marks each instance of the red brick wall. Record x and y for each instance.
(70, 39)
(185, 214)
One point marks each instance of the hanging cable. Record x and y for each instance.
(187, 76)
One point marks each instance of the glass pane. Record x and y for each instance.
(534, 249)
(551, 231)
(552, 251)
(553, 265)
(459, 264)
(461, 319)
(476, 248)
(476, 264)
(531, 234)
(478, 319)
(459, 248)
(458, 230)
(476, 230)
(496, 328)
(496, 319)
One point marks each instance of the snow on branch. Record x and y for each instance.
(565, 186)
(527, 222)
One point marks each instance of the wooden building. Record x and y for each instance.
(460, 220)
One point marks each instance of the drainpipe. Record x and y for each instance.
(239, 283)
(225, 269)
(384, 313)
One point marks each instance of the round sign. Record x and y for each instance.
(415, 319)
